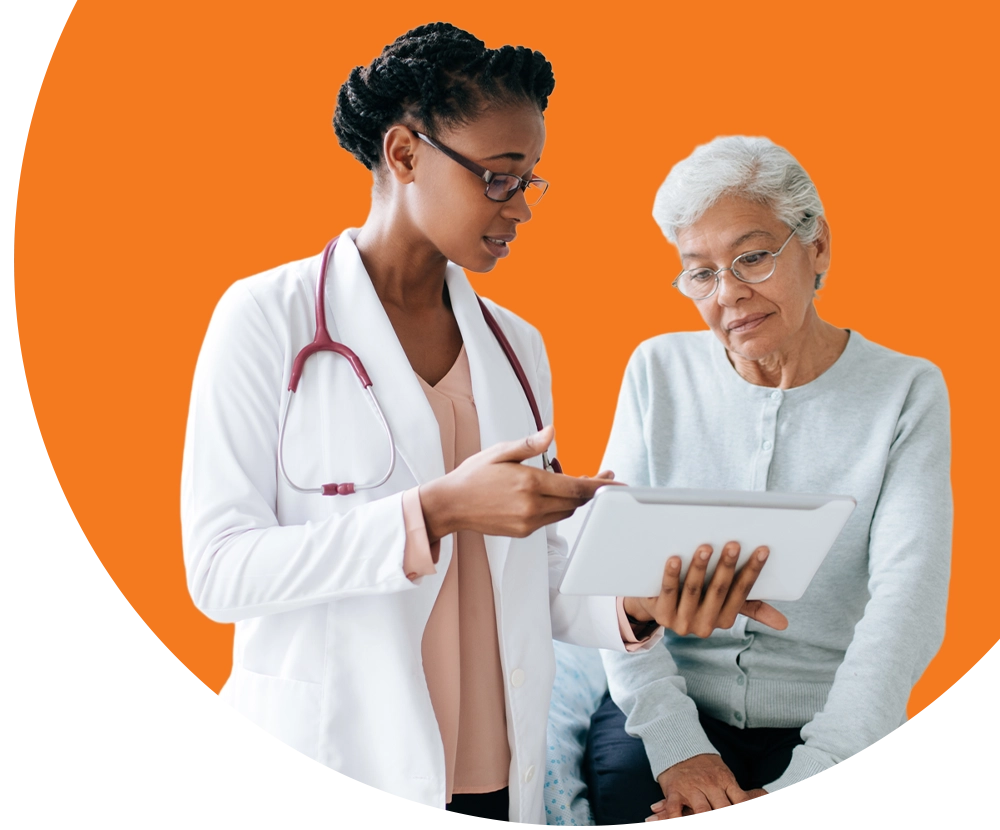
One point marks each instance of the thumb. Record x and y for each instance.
(522, 450)
(763, 613)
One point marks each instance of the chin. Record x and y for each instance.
(478, 265)
(751, 348)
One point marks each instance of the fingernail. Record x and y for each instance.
(674, 564)
(704, 555)
(762, 555)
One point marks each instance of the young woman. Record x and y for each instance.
(386, 550)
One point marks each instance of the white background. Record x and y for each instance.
(102, 724)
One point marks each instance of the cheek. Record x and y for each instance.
(710, 312)
(454, 212)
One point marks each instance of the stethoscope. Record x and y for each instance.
(322, 342)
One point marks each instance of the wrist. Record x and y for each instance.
(636, 614)
(436, 503)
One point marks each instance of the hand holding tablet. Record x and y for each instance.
(699, 608)
(629, 532)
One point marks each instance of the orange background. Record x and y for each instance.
(178, 147)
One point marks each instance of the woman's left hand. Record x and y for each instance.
(696, 609)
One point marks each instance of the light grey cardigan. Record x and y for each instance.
(874, 426)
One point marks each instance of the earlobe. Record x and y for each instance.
(398, 151)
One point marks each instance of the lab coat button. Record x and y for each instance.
(768, 445)
(529, 773)
(517, 679)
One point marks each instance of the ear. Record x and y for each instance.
(398, 148)
(821, 246)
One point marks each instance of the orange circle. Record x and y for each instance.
(176, 148)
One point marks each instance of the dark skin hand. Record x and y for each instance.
(493, 493)
(697, 785)
(699, 609)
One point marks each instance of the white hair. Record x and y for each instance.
(756, 169)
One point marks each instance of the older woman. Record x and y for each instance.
(772, 397)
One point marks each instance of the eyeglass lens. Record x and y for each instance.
(754, 266)
(502, 188)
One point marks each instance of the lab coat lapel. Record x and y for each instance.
(358, 320)
(504, 414)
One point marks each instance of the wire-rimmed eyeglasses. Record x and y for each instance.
(751, 267)
(500, 187)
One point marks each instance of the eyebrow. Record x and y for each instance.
(734, 244)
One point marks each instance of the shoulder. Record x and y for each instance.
(255, 316)
(276, 287)
(522, 334)
(274, 300)
(682, 352)
(887, 368)
(677, 345)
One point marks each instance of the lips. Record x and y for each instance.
(498, 245)
(745, 324)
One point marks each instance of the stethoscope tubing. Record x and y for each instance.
(322, 342)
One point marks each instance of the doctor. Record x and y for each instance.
(401, 634)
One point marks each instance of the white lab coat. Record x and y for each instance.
(328, 628)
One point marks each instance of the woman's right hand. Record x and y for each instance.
(493, 493)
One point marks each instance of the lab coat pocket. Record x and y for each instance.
(288, 709)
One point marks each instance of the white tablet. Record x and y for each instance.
(629, 532)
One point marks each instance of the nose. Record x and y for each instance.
(731, 290)
(516, 208)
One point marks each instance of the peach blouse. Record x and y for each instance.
(460, 647)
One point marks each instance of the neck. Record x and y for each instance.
(801, 359)
(406, 270)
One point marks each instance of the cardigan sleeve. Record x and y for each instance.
(909, 564)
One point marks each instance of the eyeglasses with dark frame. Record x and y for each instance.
(751, 267)
(500, 187)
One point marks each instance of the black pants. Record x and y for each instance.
(621, 786)
(495, 805)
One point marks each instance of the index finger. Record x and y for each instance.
(569, 487)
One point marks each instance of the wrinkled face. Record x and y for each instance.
(753, 321)
(447, 201)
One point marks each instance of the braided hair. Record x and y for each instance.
(439, 74)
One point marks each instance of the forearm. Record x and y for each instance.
(250, 568)
(651, 692)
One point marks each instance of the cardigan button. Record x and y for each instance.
(517, 678)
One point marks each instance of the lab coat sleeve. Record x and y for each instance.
(240, 562)
(584, 621)
(909, 562)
